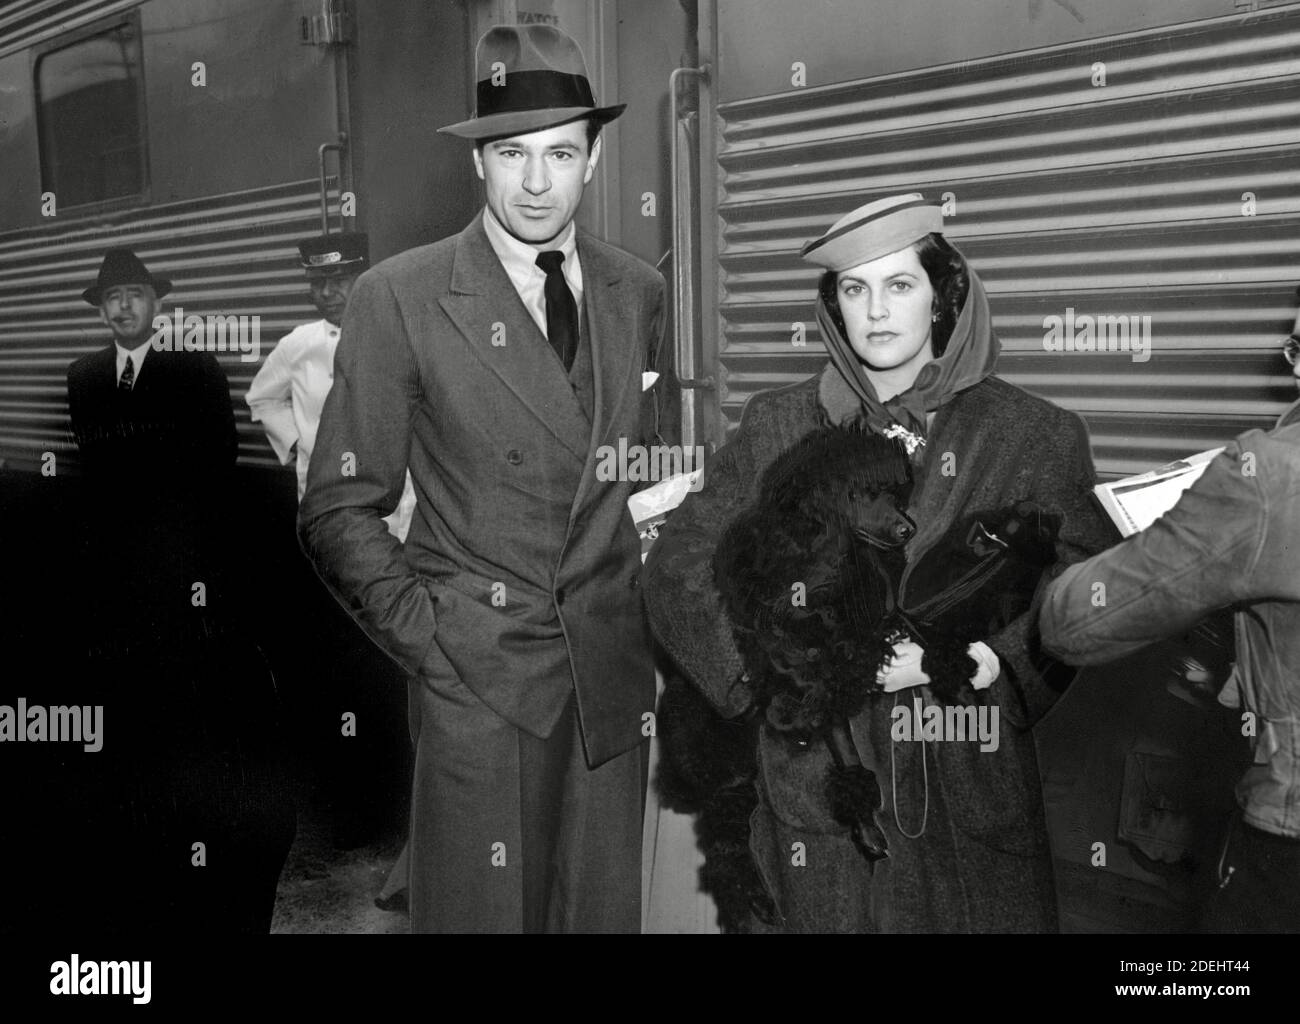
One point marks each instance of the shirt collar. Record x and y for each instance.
(137, 354)
(519, 258)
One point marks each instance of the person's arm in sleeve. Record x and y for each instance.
(1198, 557)
(270, 399)
(356, 477)
(685, 610)
(1022, 687)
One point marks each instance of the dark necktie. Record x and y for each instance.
(127, 380)
(561, 310)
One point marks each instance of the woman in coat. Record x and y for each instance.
(912, 355)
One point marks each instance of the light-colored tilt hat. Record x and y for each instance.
(530, 77)
(874, 230)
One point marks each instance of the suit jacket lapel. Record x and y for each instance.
(104, 375)
(613, 352)
(483, 304)
(149, 373)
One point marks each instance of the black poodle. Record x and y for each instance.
(811, 577)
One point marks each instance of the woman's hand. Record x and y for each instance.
(989, 665)
(904, 669)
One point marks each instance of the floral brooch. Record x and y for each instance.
(910, 441)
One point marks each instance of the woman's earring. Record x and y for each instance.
(934, 319)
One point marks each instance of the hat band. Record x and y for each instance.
(878, 215)
(875, 235)
(533, 90)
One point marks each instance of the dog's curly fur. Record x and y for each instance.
(809, 576)
(810, 579)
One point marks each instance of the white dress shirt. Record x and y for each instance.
(137, 360)
(520, 262)
(287, 397)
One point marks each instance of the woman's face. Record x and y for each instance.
(887, 305)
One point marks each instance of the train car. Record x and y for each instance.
(212, 136)
(1125, 177)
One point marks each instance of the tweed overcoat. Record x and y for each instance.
(982, 862)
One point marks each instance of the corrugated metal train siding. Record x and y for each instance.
(231, 255)
(1114, 200)
(24, 23)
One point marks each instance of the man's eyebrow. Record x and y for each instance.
(517, 144)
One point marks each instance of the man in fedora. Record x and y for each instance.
(156, 434)
(363, 773)
(496, 364)
(185, 804)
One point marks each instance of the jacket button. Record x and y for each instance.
(514, 456)
(633, 580)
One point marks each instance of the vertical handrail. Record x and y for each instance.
(682, 263)
(324, 147)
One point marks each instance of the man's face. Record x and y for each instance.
(129, 309)
(535, 181)
(329, 294)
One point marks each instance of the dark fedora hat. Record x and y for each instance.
(530, 77)
(347, 252)
(122, 266)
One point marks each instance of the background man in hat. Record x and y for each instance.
(495, 364)
(365, 773)
(289, 391)
(190, 751)
(156, 434)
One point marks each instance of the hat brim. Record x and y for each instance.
(336, 269)
(496, 126)
(161, 286)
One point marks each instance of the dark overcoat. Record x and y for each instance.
(192, 744)
(982, 862)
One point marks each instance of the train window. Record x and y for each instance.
(90, 96)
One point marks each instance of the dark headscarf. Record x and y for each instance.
(971, 355)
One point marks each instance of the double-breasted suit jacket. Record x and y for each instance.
(521, 567)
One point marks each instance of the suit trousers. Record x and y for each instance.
(512, 833)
